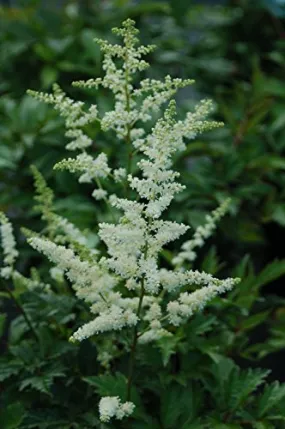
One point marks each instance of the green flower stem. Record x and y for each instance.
(109, 207)
(134, 345)
(22, 310)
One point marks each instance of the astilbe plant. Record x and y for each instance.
(125, 281)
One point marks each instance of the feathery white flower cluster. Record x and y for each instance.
(119, 174)
(95, 285)
(188, 303)
(10, 255)
(188, 254)
(99, 194)
(91, 170)
(9, 246)
(86, 164)
(125, 285)
(112, 320)
(73, 113)
(83, 274)
(112, 407)
(155, 330)
(154, 93)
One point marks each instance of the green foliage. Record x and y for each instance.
(62, 382)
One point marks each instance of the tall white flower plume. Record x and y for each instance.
(125, 284)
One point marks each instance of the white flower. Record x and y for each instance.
(108, 407)
(80, 140)
(111, 406)
(6, 272)
(154, 334)
(154, 312)
(120, 174)
(113, 319)
(164, 233)
(148, 269)
(89, 280)
(201, 234)
(74, 114)
(188, 303)
(99, 194)
(132, 284)
(9, 246)
(91, 168)
(125, 410)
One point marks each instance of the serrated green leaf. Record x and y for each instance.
(43, 382)
(45, 419)
(272, 395)
(9, 367)
(167, 347)
(243, 383)
(171, 409)
(18, 328)
(200, 324)
(174, 411)
(108, 384)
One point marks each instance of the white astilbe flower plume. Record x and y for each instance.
(9, 246)
(188, 253)
(125, 285)
(10, 254)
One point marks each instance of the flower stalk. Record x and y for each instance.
(134, 345)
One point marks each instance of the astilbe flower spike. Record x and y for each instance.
(125, 285)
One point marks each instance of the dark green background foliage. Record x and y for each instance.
(235, 52)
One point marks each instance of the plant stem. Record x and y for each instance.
(134, 345)
(109, 207)
(22, 310)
